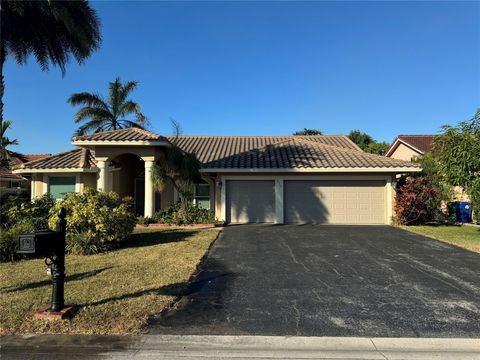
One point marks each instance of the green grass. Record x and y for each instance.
(467, 237)
(114, 292)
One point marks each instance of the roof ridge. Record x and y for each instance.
(255, 136)
(417, 135)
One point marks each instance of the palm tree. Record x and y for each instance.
(181, 168)
(50, 30)
(4, 153)
(110, 114)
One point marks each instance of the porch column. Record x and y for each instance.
(279, 201)
(102, 176)
(149, 192)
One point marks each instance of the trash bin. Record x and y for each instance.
(463, 210)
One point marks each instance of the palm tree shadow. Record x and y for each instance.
(69, 278)
(155, 238)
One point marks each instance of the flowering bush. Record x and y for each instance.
(417, 202)
(95, 219)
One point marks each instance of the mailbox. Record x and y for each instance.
(43, 242)
(50, 244)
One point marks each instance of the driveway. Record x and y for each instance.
(314, 280)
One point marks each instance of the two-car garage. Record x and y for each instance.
(301, 201)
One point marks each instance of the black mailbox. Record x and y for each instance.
(43, 242)
(50, 244)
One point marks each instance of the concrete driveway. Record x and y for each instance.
(313, 280)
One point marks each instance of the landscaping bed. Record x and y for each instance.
(467, 237)
(114, 292)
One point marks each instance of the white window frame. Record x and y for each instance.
(203, 197)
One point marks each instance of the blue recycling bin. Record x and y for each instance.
(463, 210)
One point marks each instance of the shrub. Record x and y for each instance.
(8, 240)
(95, 219)
(145, 220)
(417, 202)
(82, 244)
(31, 212)
(184, 213)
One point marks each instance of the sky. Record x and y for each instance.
(265, 68)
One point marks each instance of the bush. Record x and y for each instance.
(31, 212)
(95, 220)
(8, 240)
(184, 213)
(145, 220)
(417, 202)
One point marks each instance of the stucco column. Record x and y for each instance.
(279, 201)
(149, 191)
(102, 176)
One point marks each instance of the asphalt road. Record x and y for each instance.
(316, 280)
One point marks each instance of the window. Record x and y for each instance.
(58, 186)
(202, 196)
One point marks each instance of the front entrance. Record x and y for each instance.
(139, 195)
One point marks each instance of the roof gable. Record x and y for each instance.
(418, 143)
(121, 135)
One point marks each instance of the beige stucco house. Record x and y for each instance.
(270, 179)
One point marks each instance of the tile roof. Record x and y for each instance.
(420, 142)
(291, 153)
(77, 158)
(8, 175)
(130, 134)
(251, 152)
(16, 161)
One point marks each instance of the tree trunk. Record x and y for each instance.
(2, 87)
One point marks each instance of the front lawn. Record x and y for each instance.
(115, 292)
(467, 237)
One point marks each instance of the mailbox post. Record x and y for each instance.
(58, 265)
(50, 244)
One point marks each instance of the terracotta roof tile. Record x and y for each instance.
(420, 142)
(272, 152)
(130, 134)
(255, 152)
(77, 158)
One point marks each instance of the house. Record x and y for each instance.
(407, 147)
(270, 179)
(11, 183)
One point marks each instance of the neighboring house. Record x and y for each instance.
(268, 179)
(407, 147)
(11, 183)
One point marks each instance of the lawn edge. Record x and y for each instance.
(437, 239)
(171, 305)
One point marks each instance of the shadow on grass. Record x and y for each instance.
(73, 277)
(151, 238)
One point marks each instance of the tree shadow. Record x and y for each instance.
(68, 278)
(151, 238)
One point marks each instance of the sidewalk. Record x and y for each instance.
(73, 347)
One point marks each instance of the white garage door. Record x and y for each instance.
(334, 202)
(250, 201)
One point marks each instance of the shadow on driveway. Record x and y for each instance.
(318, 280)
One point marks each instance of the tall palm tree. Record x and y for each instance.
(50, 30)
(110, 114)
(4, 153)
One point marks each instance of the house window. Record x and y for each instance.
(59, 186)
(202, 196)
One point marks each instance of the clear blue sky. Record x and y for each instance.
(267, 68)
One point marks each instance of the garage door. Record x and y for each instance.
(334, 202)
(250, 201)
